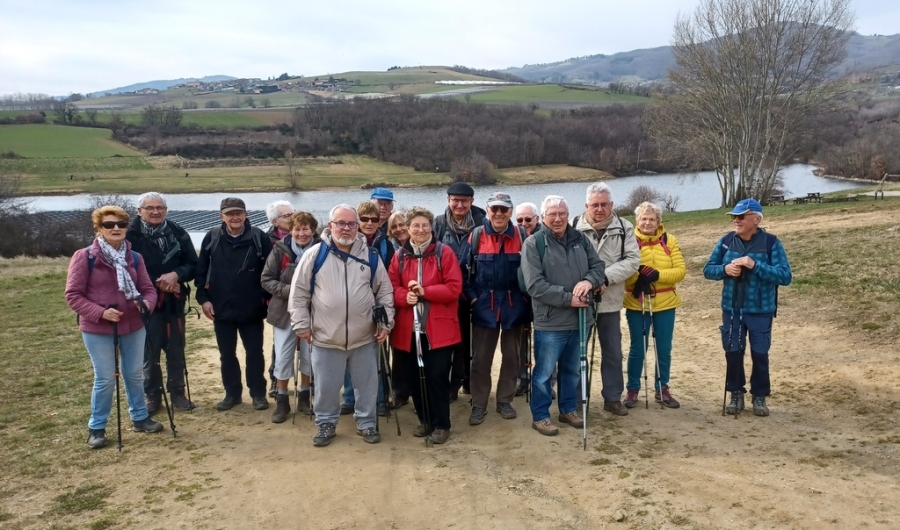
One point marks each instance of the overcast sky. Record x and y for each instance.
(64, 46)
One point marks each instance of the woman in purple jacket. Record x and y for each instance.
(104, 275)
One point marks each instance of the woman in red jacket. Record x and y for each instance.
(427, 279)
(102, 276)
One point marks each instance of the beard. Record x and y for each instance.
(345, 241)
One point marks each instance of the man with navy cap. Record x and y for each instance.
(752, 263)
(384, 199)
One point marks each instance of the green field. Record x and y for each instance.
(551, 94)
(61, 142)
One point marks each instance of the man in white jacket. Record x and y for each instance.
(332, 308)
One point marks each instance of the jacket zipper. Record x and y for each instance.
(346, 309)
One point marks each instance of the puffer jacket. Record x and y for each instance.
(276, 279)
(339, 312)
(664, 255)
(756, 292)
(620, 264)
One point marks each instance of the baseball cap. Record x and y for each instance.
(382, 194)
(500, 199)
(746, 205)
(231, 204)
(461, 188)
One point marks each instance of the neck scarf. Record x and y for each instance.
(116, 259)
(161, 235)
(602, 225)
(418, 250)
(466, 226)
(298, 250)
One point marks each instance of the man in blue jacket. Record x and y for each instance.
(752, 263)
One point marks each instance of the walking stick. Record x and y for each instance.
(655, 351)
(115, 326)
(296, 381)
(528, 365)
(582, 347)
(148, 350)
(426, 412)
(594, 332)
(646, 341)
(312, 382)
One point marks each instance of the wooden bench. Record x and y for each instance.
(801, 200)
(775, 199)
(814, 197)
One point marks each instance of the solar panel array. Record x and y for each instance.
(190, 220)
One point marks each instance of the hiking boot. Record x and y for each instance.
(347, 408)
(440, 436)
(260, 403)
(369, 434)
(506, 411)
(154, 402)
(422, 431)
(382, 410)
(663, 396)
(146, 425)
(736, 405)
(282, 408)
(326, 433)
(616, 408)
(477, 416)
(399, 402)
(521, 390)
(181, 402)
(228, 403)
(632, 398)
(545, 427)
(273, 390)
(572, 418)
(96, 438)
(303, 406)
(759, 406)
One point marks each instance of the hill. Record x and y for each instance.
(162, 84)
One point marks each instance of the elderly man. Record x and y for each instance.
(500, 310)
(613, 239)
(171, 261)
(232, 258)
(383, 198)
(752, 263)
(279, 215)
(334, 294)
(527, 217)
(453, 228)
(560, 268)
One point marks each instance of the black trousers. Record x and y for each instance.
(399, 381)
(437, 381)
(165, 331)
(462, 352)
(251, 333)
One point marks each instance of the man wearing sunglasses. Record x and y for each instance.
(527, 217)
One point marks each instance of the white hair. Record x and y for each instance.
(151, 195)
(272, 209)
(531, 205)
(595, 188)
(342, 207)
(553, 201)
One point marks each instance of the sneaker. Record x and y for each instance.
(616, 408)
(347, 408)
(632, 399)
(303, 406)
(326, 433)
(260, 403)
(181, 402)
(96, 438)
(666, 398)
(146, 425)
(506, 411)
(422, 431)
(545, 427)
(440, 436)
(154, 402)
(736, 405)
(273, 389)
(759, 406)
(572, 418)
(382, 410)
(369, 434)
(477, 416)
(228, 403)
(282, 408)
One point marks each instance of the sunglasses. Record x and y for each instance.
(109, 225)
(521, 220)
(368, 219)
(738, 217)
(501, 209)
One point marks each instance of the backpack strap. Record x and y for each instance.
(91, 259)
(320, 260)
(214, 235)
(662, 241)
(474, 239)
(374, 258)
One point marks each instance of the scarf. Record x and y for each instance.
(468, 222)
(163, 237)
(298, 250)
(602, 225)
(116, 259)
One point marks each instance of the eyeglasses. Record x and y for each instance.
(109, 225)
(598, 205)
(461, 201)
(521, 220)
(235, 213)
(419, 227)
(738, 217)
(556, 215)
(285, 216)
(154, 208)
(368, 219)
(346, 225)
(501, 209)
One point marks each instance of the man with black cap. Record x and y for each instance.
(383, 198)
(232, 258)
(453, 228)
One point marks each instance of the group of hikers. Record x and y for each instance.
(380, 307)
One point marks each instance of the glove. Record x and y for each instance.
(648, 273)
(641, 286)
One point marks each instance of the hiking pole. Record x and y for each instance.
(179, 321)
(655, 351)
(115, 326)
(646, 344)
(387, 384)
(148, 349)
(594, 332)
(296, 381)
(312, 382)
(528, 365)
(582, 347)
(423, 390)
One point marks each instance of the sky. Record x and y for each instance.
(63, 46)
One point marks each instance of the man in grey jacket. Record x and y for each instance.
(613, 239)
(332, 308)
(560, 269)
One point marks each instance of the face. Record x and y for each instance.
(153, 212)
(283, 221)
(460, 204)
(745, 224)
(302, 235)
(398, 230)
(527, 219)
(419, 229)
(648, 223)
(385, 208)
(234, 220)
(116, 234)
(556, 218)
(344, 227)
(368, 224)
(499, 216)
(599, 207)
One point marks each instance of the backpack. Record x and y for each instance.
(476, 237)
(540, 242)
(91, 259)
(728, 239)
(216, 234)
(438, 252)
(662, 241)
(621, 225)
(323, 253)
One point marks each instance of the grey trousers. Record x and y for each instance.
(484, 343)
(609, 333)
(328, 366)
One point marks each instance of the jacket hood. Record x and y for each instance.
(660, 230)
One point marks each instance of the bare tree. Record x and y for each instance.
(65, 111)
(747, 76)
(91, 116)
(293, 176)
(265, 102)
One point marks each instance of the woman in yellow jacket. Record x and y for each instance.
(652, 287)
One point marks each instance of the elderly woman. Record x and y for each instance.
(279, 215)
(397, 229)
(426, 279)
(276, 278)
(106, 284)
(652, 301)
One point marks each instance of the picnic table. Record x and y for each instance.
(774, 199)
(814, 197)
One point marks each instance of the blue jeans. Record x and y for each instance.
(663, 325)
(131, 366)
(348, 395)
(552, 348)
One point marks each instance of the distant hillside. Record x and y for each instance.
(864, 53)
(162, 84)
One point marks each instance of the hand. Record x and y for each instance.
(582, 289)
(168, 283)
(602, 289)
(381, 335)
(208, 310)
(112, 315)
(417, 288)
(412, 298)
(305, 335)
(649, 273)
(579, 301)
(641, 287)
(745, 261)
(733, 270)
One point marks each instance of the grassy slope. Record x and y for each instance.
(59, 141)
(554, 94)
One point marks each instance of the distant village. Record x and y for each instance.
(253, 86)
